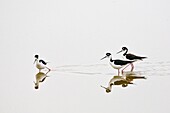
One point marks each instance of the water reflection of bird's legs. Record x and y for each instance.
(45, 76)
(43, 79)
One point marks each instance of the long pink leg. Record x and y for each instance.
(118, 72)
(132, 67)
(124, 68)
(48, 69)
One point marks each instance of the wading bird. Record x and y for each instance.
(116, 64)
(130, 56)
(40, 64)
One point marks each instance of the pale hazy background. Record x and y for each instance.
(79, 32)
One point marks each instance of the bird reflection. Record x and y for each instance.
(117, 80)
(123, 80)
(130, 76)
(40, 77)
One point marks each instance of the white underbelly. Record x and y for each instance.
(39, 66)
(116, 66)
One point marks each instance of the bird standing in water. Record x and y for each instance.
(130, 56)
(116, 64)
(40, 64)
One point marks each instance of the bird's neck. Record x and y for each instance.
(110, 87)
(36, 61)
(111, 60)
(125, 52)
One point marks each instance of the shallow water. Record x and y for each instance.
(143, 70)
(147, 68)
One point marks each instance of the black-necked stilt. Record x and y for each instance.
(130, 56)
(116, 64)
(40, 77)
(40, 64)
(117, 80)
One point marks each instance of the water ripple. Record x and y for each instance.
(149, 68)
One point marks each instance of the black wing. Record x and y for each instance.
(121, 62)
(134, 57)
(43, 62)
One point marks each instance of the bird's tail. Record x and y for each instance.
(141, 58)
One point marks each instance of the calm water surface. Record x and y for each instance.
(147, 68)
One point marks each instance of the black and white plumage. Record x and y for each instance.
(43, 62)
(116, 64)
(130, 56)
(40, 64)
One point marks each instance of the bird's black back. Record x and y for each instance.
(134, 57)
(43, 62)
(121, 62)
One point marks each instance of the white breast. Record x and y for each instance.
(115, 66)
(40, 66)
